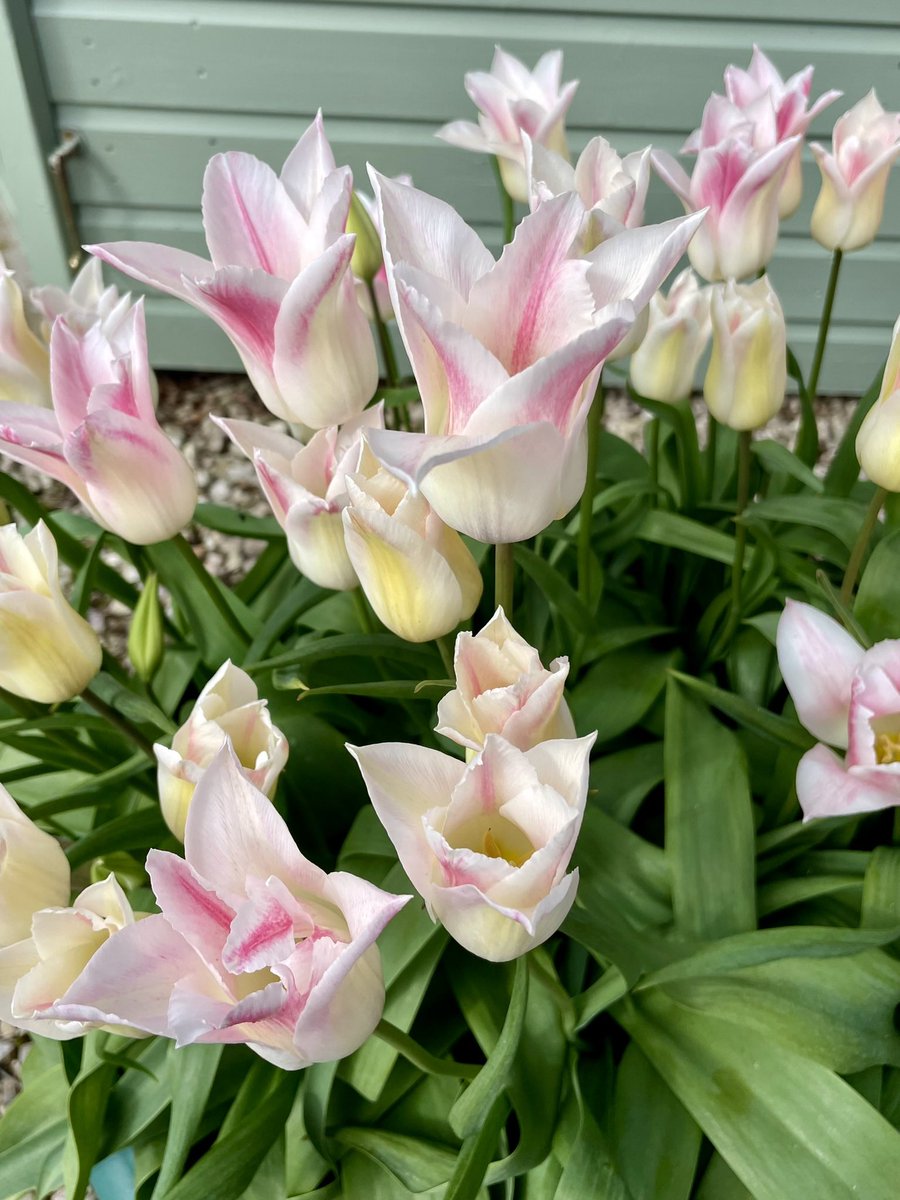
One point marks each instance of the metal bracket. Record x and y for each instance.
(71, 142)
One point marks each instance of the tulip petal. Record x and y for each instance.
(250, 220)
(828, 788)
(308, 166)
(191, 905)
(818, 660)
(633, 264)
(161, 267)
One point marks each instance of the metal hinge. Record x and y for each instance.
(70, 143)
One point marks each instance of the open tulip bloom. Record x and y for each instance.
(278, 280)
(506, 353)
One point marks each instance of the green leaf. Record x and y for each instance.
(656, 1141)
(771, 1113)
(709, 821)
(681, 533)
(760, 720)
(133, 831)
(844, 470)
(228, 1167)
(622, 780)
(473, 1107)
(617, 692)
(318, 1081)
(877, 606)
(881, 889)
(476, 1153)
(237, 523)
(83, 585)
(418, 1164)
(86, 1108)
(836, 516)
(348, 645)
(191, 1071)
(559, 594)
(807, 434)
(384, 689)
(777, 458)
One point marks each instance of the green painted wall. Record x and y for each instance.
(154, 87)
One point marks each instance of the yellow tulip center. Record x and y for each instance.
(495, 837)
(887, 747)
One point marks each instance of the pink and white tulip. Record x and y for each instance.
(849, 698)
(416, 572)
(255, 944)
(307, 489)
(34, 871)
(739, 185)
(664, 366)
(506, 354)
(502, 687)
(228, 710)
(612, 189)
(37, 971)
(776, 109)
(48, 652)
(865, 145)
(878, 440)
(86, 303)
(102, 439)
(278, 280)
(514, 101)
(747, 373)
(24, 359)
(487, 844)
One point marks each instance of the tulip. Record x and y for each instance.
(48, 652)
(850, 698)
(747, 374)
(146, 640)
(102, 439)
(878, 440)
(486, 844)
(506, 354)
(739, 185)
(776, 109)
(503, 688)
(228, 710)
(24, 362)
(34, 871)
(255, 943)
(663, 367)
(37, 971)
(279, 281)
(86, 303)
(864, 146)
(612, 189)
(513, 100)
(307, 489)
(417, 574)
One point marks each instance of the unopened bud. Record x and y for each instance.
(366, 261)
(145, 637)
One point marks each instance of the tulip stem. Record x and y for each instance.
(744, 459)
(507, 204)
(420, 1057)
(586, 514)
(384, 338)
(121, 723)
(712, 438)
(824, 324)
(858, 553)
(446, 651)
(504, 569)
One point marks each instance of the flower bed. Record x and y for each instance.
(521, 821)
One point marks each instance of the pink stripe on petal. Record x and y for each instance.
(249, 219)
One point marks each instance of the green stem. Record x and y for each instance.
(870, 520)
(121, 723)
(507, 204)
(824, 323)
(446, 651)
(586, 512)
(712, 438)
(653, 456)
(384, 338)
(745, 439)
(420, 1057)
(367, 624)
(504, 568)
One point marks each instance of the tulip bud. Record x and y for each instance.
(367, 258)
(228, 709)
(878, 440)
(747, 374)
(145, 637)
(34, 872)
(865, 145)
(664, 365)
(128, 872)
(416, 572)
(48, 652)
(502, 687)
(24, 360)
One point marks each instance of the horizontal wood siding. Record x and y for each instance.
(155, 87)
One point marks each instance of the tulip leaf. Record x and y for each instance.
(709, 821)
(881, 890)
(348, 645)
(832, 514)
(471, 1110)
(237, 523)
(843, 472)
(385, 689)
(619, 690)
(476, 1153)
(682, 533)
(133, 831)
(769, 1111)
(621, 781)
(777, 458)
(753, 716)
(560, 595)
(299, 599)
(418, 1164)
(191, 1072)
(83, 585)
(877, 606)
(88, 1097)
(807, 447)
(656, 1142)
